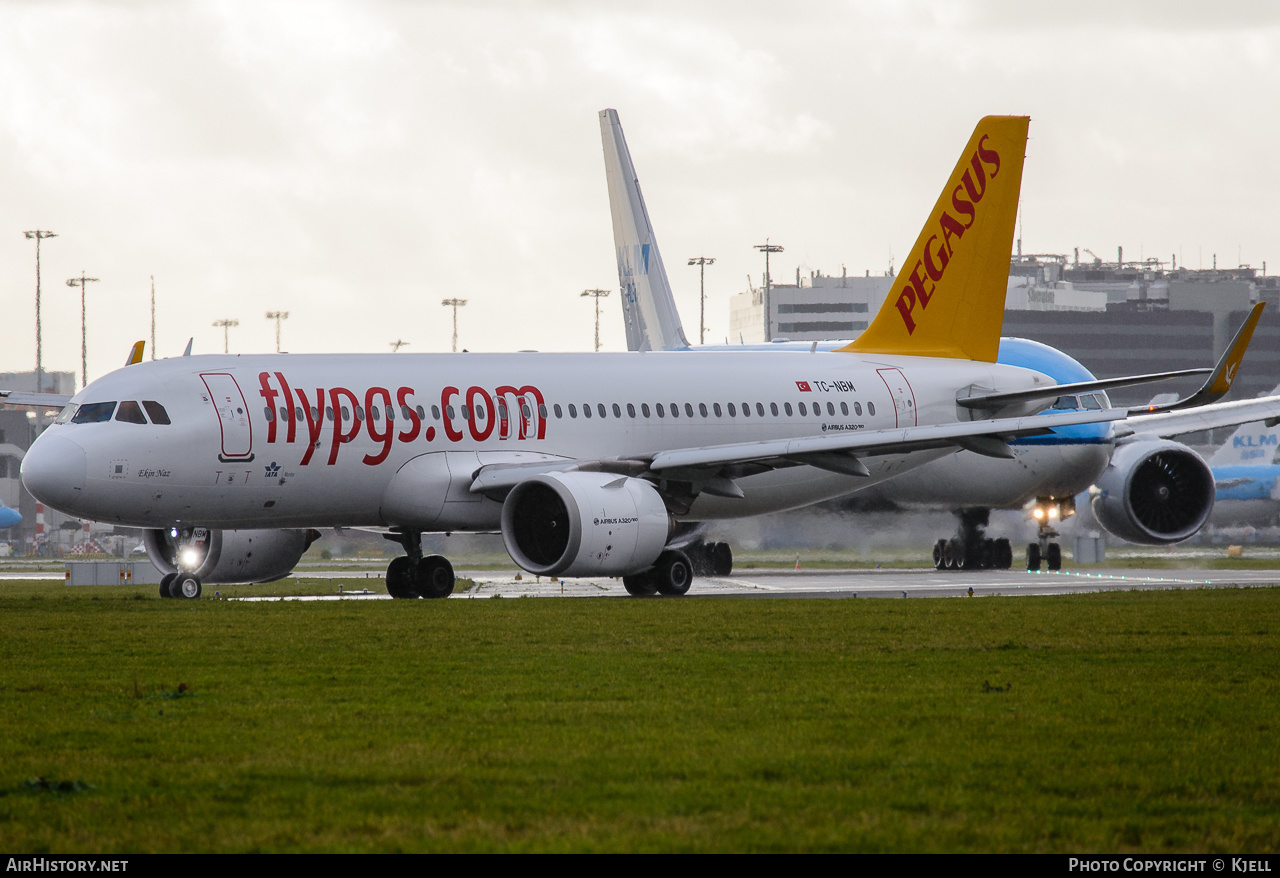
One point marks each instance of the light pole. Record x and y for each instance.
(39, 235)
(597, 295)
(455, 304)
(397, 345)
(226, 333)
(277, 316)
(766, 248)
(82, 282)
(702, 262)
(153, 316)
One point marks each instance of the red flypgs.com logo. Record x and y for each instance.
(939, 248)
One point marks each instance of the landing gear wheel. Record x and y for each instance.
(1054, 556)
(165, 582)
(940, 555)
(185, 585)
(640, 585)
(1033, 556)
(673, 574)
(721, 559)
(433, 577)
(959, 554)
(400, 578)
(1004, 554)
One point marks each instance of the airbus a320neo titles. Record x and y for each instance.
(586, 463)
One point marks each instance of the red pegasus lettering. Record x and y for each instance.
(935, 269)
(491, 416)
(339, 436)
(371, 424)
(454, 434)
(269, 394)
(409, 433)
(989, 156)
(315, 422)
(288, 400)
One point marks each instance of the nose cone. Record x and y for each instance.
(53, 470)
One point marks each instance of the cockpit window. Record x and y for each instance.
(93, 413)
(1090, 402)
(1066, 403)
(156, 412)
(67, 413)
(130, 412)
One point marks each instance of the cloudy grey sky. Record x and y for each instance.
(356, 162)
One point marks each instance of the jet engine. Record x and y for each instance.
(227, 556)
(1154, 492)
(585, 524)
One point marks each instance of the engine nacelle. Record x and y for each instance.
(584, 524)
(228, 556)
(1154, 493)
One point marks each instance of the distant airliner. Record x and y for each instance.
(1050, 468)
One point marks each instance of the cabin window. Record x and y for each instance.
(617, 410)
(688, 410)
(644, 409)
(94, 413)
(831, 409)
(404, 411)
(675, 410)
(733, 412)
(600, 409)
(358, 411)
(857, 409)
(559, 411)
(871, 409)
(573, 410)
(586, 409)
(844, 408)
(631, 411)
(716, 407)
(786, 407)
(269, 413)
(435, 413)
(448, 412)
(803, 410)
(746, 409)
(346, 413)
(773, 409)
(524, 410)
(422, 415)
(661, 412)
(391, 413)
(702, 409)
(466, 413)
(542, 411)
(375, 412)
(131, 413)
(760, 409)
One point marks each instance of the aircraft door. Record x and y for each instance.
(233, 416)
(904, 399)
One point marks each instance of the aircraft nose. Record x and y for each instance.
(53, 470)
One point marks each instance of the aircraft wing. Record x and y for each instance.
(963, 434)
(1205, 417)
(35, 400)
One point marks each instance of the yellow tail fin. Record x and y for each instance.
(948, 300)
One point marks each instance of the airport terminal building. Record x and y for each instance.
(1119, 318)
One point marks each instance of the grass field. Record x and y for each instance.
(1133, 721)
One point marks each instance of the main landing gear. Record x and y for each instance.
(671, 575)
(414, 576)
(1047, 513)
(710, 559)
(179, 585)
(970, 548)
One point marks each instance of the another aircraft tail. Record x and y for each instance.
(647, 304)
(948, 300)
(1250, 444)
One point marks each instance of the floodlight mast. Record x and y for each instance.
(597, 295)
(277, 316)
(226, 333)
(766, 248)
(82, 282)
(702, 262)
(39, 235)
(455, 304)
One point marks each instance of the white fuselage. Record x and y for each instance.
(237, 455)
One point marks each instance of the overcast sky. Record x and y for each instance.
(354, 163)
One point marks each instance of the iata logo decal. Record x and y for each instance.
(938, 250)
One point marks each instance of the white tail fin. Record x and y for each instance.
(1250, 444)
(648, 307)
